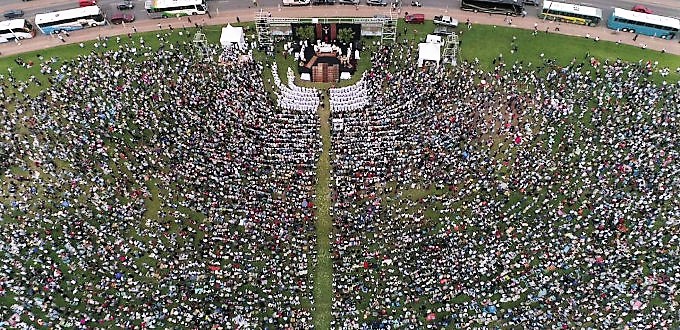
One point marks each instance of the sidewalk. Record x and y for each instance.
(42, 42)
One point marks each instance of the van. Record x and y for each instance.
(415, 18)
(85, 3)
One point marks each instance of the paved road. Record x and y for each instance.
(662, 7)
(227, 10)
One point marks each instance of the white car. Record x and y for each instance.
(295, 2)
(376, 2)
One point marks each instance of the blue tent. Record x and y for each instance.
(119, 275)
(491, 309)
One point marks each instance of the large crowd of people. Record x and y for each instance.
(530, 196)
(148, 188)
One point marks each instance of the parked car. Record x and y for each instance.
(85, 3)
(349, 2)
(531, 2)
(119, 18)
(443, 30)
(445, 20)
(376, 2)
(126, 5)
(642, 9)
(415, 18)
(14, 13)
(416, 4)
(323, 2)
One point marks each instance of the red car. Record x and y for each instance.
(119, 18)
(85, 3)
(642, 9)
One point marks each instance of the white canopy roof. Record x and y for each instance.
(433, 39)
(428, 52)
(232, 35)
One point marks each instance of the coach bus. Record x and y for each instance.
(175, 8)
(505, 7)
(647, 24)
(571, 13)
(70, 19)
(16, 29)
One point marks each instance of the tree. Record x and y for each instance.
(346, 35)
(306, 33)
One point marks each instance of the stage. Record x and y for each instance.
(325, 58)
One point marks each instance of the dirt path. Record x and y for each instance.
(41, 42)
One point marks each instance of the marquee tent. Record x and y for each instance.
(233, 36)
(429, 52)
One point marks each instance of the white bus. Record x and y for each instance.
(70, 19)
(175, 8)
(571, 13)
(17, 29)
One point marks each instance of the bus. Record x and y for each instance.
(505, 7)
(70, 19)
(571, 13)
(16, 29)
(175, 8)
(647, 24)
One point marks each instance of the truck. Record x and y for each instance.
(445, 20)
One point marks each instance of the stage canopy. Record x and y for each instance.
(429, 52)
(233, 36)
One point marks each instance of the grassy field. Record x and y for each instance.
(485, 43)
(488, 42)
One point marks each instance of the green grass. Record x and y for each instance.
(486, 43)
(482, 42)
(71, 51)
(323, 277)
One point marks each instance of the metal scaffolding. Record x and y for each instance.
(450, 54)
(389, 28)
(264, 31)
(201, 46)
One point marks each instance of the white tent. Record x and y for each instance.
(429, 52)
(233, 36)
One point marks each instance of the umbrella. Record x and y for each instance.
(304, 203)
(119, 275)
(491, 309)
(431, 316)
(65, 204)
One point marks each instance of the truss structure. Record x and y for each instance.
(386, 23)
(201, 46)
(450, 54)
(264, 30)
(389, 27)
